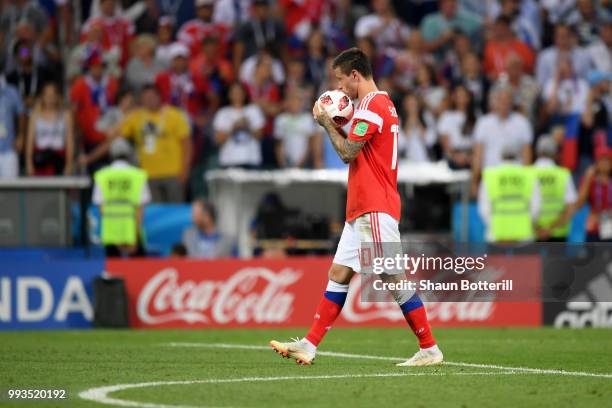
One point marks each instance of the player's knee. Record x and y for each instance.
(340, 274)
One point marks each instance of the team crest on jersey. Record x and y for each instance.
(360, 129)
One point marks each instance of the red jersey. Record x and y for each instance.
(194, 31)
(118, 31)
(91, 100)
(372, 182)
(183, 91)
(300, 12)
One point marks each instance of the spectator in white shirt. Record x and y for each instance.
(238, 129)
(384, 26)
(427, 87)
(165, 40)
(498, 129)
(456, 129)
(565, 93)
(249, 67)
(564, 45)
(601, 50)
(418, 131)
(525, 88)
(232, 12)
(299, 141)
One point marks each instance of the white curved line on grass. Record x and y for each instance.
(398, 359)
(101, 394)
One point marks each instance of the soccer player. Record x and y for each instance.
(372, 208)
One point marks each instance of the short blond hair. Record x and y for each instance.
(146, 40)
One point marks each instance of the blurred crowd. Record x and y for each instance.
(195, 85)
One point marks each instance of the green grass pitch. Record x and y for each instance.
(573, 364)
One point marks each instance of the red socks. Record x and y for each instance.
(327, 312)
(417, 320)
(331, 305)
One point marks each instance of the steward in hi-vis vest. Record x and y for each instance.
(558, 193)
(508, 200)
(121, 190)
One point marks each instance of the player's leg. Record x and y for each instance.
(345, 262)
(331, 303)
(386, 230)
(416, 316)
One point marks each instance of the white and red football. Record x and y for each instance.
(337, 105)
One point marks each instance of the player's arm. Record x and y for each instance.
(346, 148)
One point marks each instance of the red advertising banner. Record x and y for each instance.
(276, 293)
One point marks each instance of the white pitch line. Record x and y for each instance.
(100, 394)
(370, 357)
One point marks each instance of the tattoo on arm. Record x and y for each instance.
(351, 149)
(347, 149)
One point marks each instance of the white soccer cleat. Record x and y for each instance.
(295, 350)
(424, 357)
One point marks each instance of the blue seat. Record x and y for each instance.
(476, 227)
(163, 225)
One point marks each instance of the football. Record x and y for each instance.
(338, 105)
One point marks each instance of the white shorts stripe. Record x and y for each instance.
(377, 232)
(363, 231)
(376, 240)
(374, 236)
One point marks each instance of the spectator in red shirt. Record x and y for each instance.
(177, 85)
(91, 95)
(194, 31)
(300, 17)
(596, 190)
(118, 30)
(94, 38)
(502, 46)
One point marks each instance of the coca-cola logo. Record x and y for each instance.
(254, 294)
(356, 311)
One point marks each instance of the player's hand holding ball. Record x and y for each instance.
(334, 107)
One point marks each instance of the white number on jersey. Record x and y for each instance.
(395, 131)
